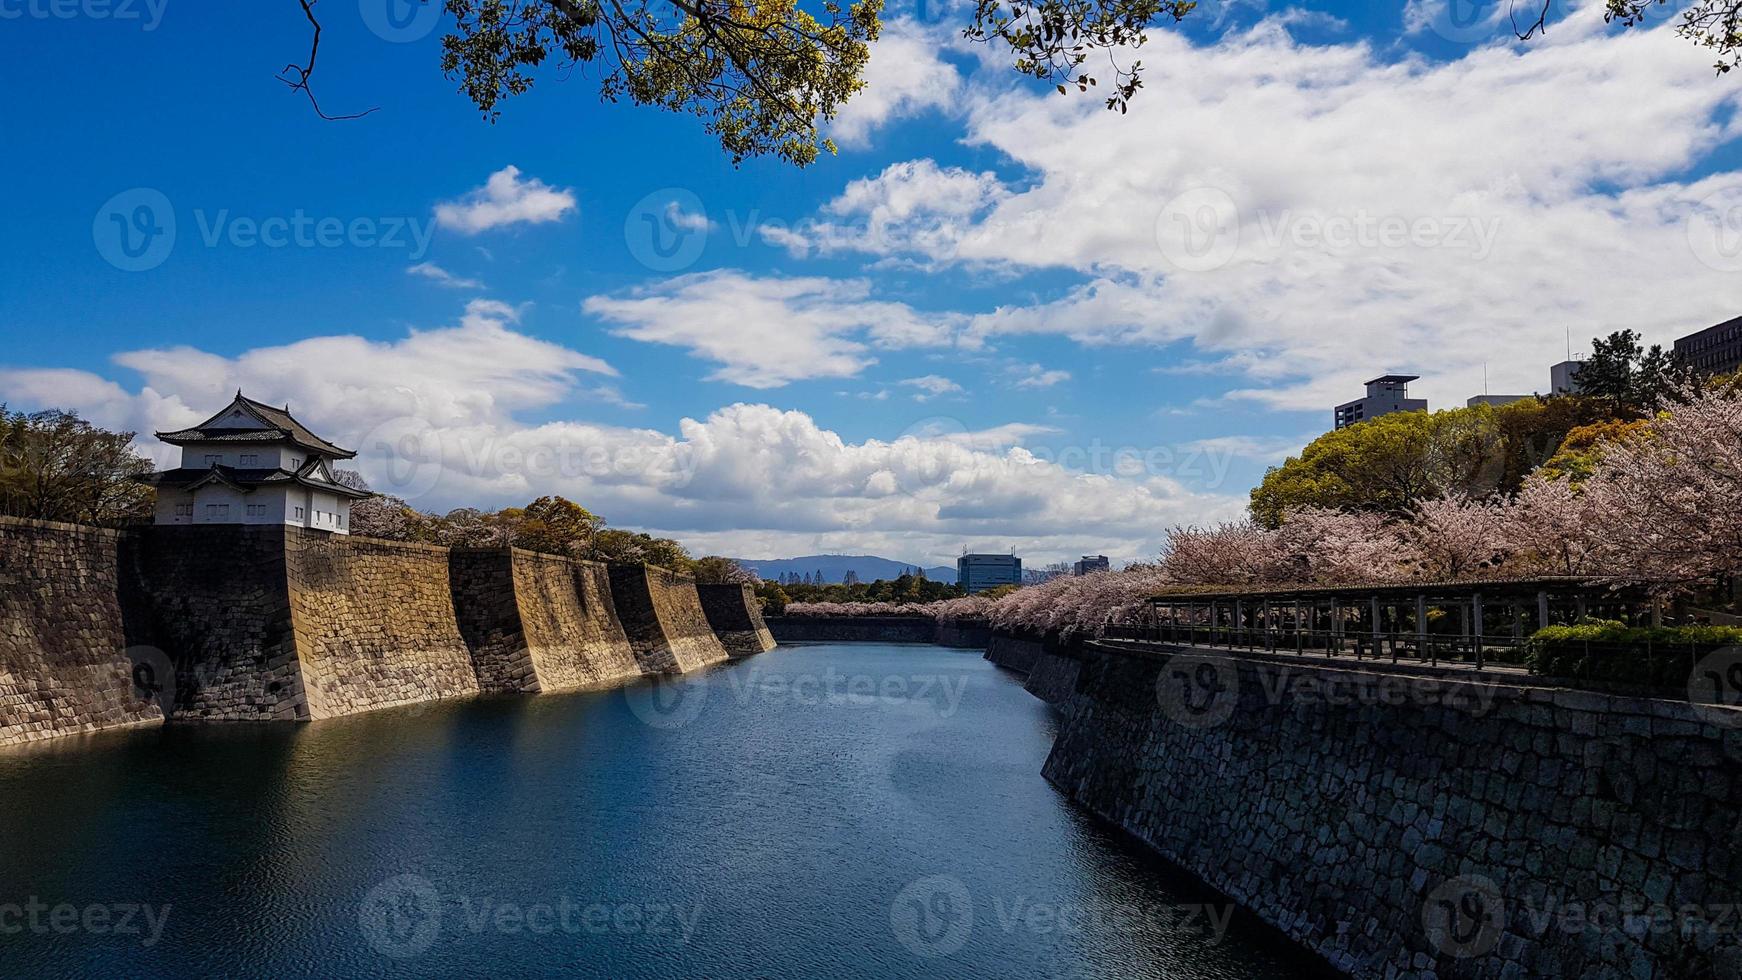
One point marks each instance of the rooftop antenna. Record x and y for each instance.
(1484, 377)
(1569, 342)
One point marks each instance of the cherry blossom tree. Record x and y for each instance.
(1231, 553)
(1333, 545)
(1554, 529)
(1670, 498)
(1455, 537)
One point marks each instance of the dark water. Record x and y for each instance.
(829, 811)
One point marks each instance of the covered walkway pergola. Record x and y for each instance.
(1467, 621)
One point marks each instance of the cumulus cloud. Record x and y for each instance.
(439, 417)
(905, 77)
(1308, 215)
(916, 207)
(766, 332)
(442, 277)
(504, 200)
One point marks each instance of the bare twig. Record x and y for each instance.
(1539, 26)
(299, 81)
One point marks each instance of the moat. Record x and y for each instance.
(844, 810)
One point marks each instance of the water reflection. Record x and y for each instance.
(771, 833)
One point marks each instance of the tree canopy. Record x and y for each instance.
(1632, 378)
(55, 466)
(1392, 462)
(765, 76)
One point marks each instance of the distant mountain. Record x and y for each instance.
(834, 568)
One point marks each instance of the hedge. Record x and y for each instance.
(1654, 656)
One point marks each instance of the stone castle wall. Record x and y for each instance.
(272, 623)
(539, 623)
(853, 629)
(661, 613)
(374, 623)
(1018, 653)
(64, 663)
(736, 618)
(1421, 826)
(482, 584)
(215, 600)
(968, 634)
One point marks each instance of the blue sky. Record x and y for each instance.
(934, 340)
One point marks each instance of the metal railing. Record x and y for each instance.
(1409, 646)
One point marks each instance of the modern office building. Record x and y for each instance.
(1495, 400)
(1563, 378)
(977, 573)
(1714, 350)
(1385, 394)
(1092, 563)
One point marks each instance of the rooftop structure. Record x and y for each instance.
(254, 464)
(1385, 394)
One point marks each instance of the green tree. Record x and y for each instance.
(764, 74)
(1583, 448)
(555, 525)
(55, 466)
(631, 547)
(1630, 377)
(1392, 462)
(774, 598)
(715, 570)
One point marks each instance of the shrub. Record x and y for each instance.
(1653, 656)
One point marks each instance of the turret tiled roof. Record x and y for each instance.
(279, 426)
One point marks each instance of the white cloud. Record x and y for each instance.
(768, 332)
(505, 199)
(1035, 376)
(931, 386)
(442, 277)
(913, 207)
(678, 218)
(1262, 449)
(905, 77)
(436, 417)
(1309, 215)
